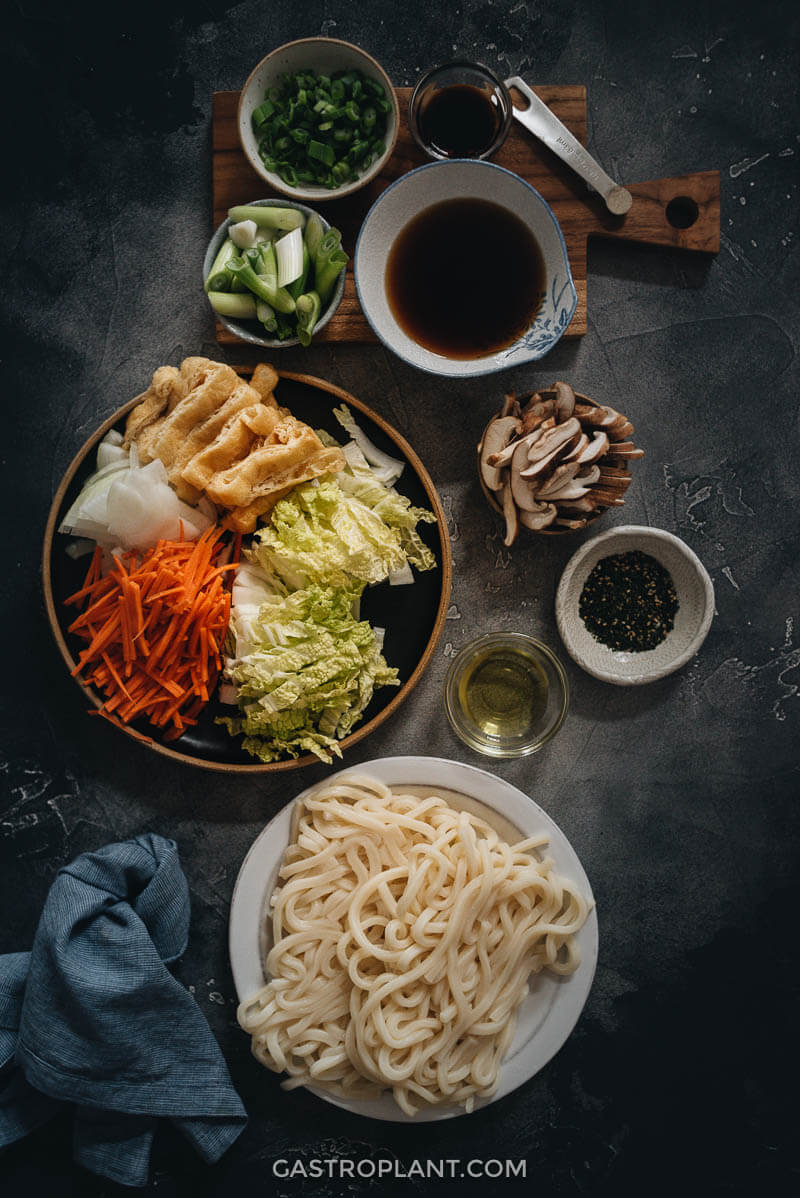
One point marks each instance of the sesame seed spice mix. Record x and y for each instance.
(629, 602)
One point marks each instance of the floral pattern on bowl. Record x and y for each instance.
(551, 321)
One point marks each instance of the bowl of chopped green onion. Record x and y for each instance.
(318, 118)
(274, 272)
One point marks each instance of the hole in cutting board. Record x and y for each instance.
(682, 212)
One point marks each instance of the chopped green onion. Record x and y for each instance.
(322, 153)
(241, 307)
(298, 286)
(285, 328)
(289, 252)
(308, 311)
(219, 277)
(314, 233)
(263, 286)
(268, 216)
(329, 262)
(310, 122)
(266, 315)
(262, 113)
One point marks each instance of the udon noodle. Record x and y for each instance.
(404, 933)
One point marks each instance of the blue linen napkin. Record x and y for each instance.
(92, 1017)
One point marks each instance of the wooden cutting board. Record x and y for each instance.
(659, 208)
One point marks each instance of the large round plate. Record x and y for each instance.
(551, 1009)
(413, 616)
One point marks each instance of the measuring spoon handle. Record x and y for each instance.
(544, 124)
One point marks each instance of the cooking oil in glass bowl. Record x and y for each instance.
(506, 694)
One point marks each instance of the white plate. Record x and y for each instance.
(553, 1006)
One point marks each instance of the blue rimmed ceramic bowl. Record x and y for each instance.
(438, 182)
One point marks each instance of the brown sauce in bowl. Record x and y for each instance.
(460, 121)
(465, 278)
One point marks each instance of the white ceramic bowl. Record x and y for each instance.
(695, 594)
(435, 183)
(323, 55)
(251, 330)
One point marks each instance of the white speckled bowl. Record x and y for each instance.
(692, 621)
(325, 55)
(463, 179)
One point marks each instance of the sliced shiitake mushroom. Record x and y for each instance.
(595, 449)
(571, 489)
(521, 488)
(503, 457)
(534, 414)
(582, 443)
(497, 436)
(587, 503)
(561, 475)
(510, 406)
(541, 466)
(542, 517)
(554, 438)
(511, 513)
(554, 459)
(565, 401)
(599, 417)
(565, 522)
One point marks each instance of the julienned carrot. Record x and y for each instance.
(154, 627)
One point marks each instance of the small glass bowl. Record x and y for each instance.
(506, 694)
(485, 105)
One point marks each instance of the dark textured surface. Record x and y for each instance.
(680, 798)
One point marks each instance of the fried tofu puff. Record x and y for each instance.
(222, 437)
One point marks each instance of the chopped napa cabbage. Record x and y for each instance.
(386, 468)
(359, 481)
(338, 530)
(305, 670)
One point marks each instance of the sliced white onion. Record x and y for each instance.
(86, 528)
(90, 503)
(206, 508)
(109, 454)
(77, 549)
(195, 517)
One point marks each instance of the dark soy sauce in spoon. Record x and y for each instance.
(460, 121)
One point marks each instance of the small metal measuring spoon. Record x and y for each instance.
(539, 120)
